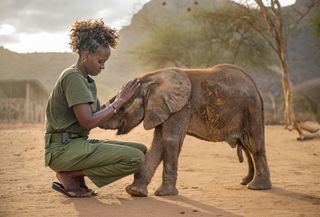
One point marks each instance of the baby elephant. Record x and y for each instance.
(216, 104)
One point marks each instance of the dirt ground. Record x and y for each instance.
(208, 180)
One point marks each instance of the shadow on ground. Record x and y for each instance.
(153, 207)
(294, 195)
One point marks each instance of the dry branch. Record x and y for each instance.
(311, 132)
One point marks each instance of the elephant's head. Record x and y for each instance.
(161, 93)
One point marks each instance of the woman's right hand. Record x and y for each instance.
(127, 91)
(89, 120)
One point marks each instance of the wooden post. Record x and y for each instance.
(27, 103)
(9, 103)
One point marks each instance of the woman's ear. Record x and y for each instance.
(85, 55)
(168, 92)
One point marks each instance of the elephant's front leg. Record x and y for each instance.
(173, 133)
(143, 177)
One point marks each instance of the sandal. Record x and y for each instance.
(85, 187)
(70, 192)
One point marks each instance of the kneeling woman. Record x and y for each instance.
(73, 110)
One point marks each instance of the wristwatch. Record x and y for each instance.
(114, 108)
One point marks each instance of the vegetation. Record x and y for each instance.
(202, 38)
(316, 23)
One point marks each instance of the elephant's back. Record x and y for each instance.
(224, 80)
(221, 98)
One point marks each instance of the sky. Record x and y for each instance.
(43, 25)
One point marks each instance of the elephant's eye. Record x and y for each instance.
(122, 109)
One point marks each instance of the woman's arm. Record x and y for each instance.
(89, 120)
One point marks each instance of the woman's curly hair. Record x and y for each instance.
(89, 34)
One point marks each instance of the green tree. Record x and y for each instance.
(202, 37)
(316, 23)
(229, 38)
(168, 45)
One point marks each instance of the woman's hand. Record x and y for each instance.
(128, 90)
(89, 120)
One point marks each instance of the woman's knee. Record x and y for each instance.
(139, 146)
(137, 158)
(143, 148)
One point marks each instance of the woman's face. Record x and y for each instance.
(94, 62)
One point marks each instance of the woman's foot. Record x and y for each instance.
(76, 182)
(70, 192)
(68, 180)
(85, 188)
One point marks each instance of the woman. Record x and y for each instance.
(73, 110)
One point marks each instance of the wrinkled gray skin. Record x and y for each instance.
(215, 104)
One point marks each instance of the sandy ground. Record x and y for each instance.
(208, 180)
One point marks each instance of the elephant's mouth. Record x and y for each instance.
(122, 128)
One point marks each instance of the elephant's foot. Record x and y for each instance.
(166, 190)
(246, 179)
(260, 184)
(137, 191)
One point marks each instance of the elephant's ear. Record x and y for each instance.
(168, 92)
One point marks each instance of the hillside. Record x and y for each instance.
(45, 67)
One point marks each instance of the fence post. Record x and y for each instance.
(27, 103)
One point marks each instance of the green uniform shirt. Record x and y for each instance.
(72, 88)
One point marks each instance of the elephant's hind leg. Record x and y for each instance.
(250, 174)
(254, 142)
(261, 179)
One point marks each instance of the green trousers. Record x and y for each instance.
(102, 161)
